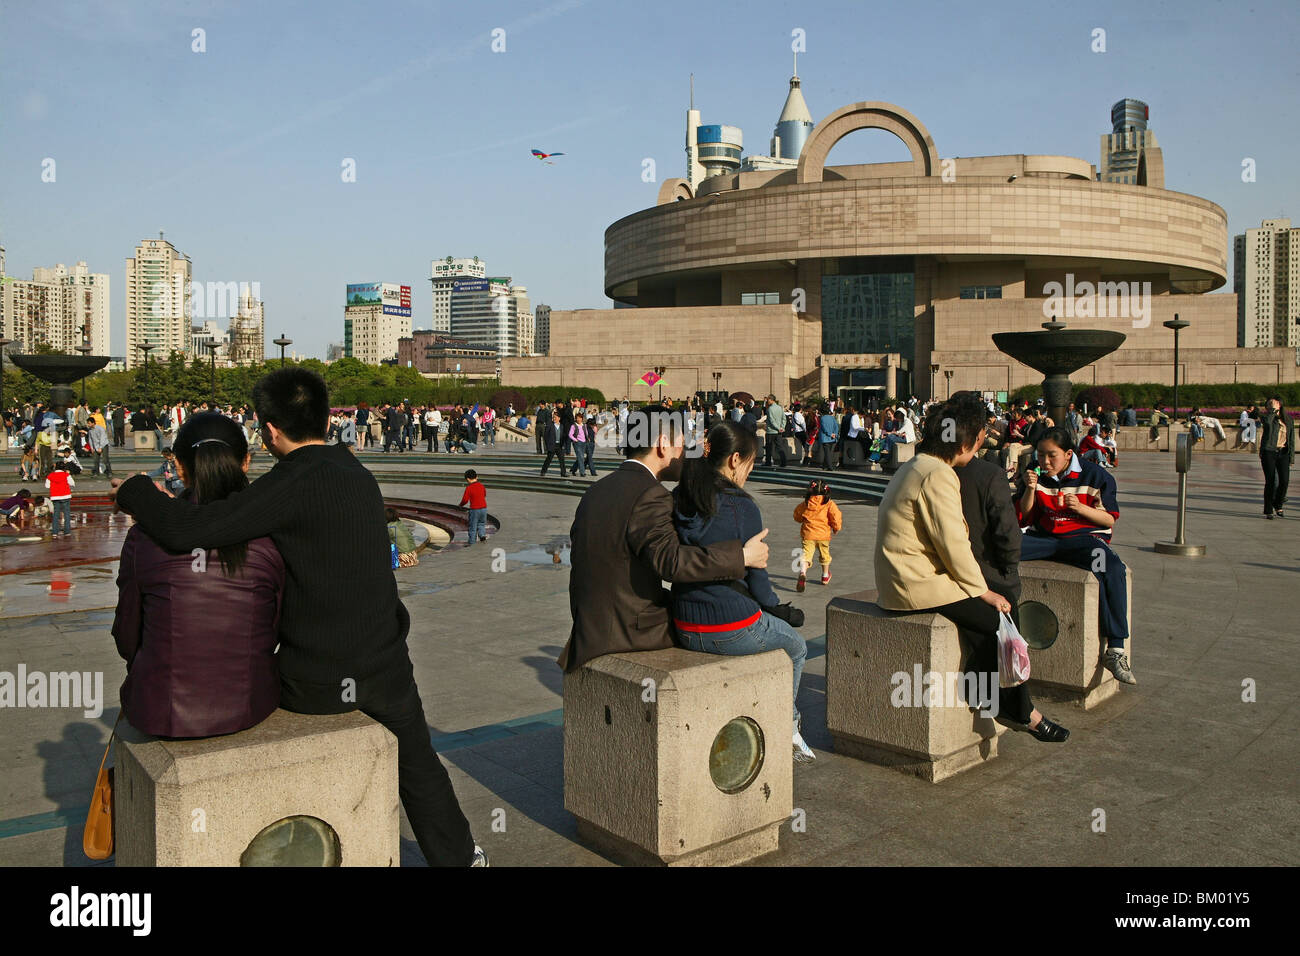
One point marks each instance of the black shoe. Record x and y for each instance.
(1049, 732)
(482, 537)
(1268, 515)
(1279, 513)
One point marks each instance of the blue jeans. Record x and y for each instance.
(1084, 551)
(477, 524)
(580, 454)
(62, 507)
(768, 633)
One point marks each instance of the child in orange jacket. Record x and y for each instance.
(819, 518)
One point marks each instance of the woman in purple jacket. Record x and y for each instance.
(198, 631)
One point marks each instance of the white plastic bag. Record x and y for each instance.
(1013, 654)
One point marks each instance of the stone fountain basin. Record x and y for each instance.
(1058, 352)
(60, 369)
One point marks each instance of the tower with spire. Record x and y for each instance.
(794, 124)
(793, 127)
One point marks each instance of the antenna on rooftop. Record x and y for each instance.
(692, 91)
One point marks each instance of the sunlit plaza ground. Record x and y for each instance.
(1187, 772)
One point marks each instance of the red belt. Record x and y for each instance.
(710, 628)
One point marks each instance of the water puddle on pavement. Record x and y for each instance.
(555, 552)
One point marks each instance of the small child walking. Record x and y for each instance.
(475, 497)
(60, 483)
(819, 518)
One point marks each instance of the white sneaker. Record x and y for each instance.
(480, 858)
(802, 752)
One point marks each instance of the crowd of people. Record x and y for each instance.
(986, 489)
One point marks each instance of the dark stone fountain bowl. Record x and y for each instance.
(60, 369)
(1056, 352)
(1061, 351)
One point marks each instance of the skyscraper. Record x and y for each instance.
(158, 306)
(1129, 152)
(485, 313)
(376, 315)
(443, 274)
(541, 329)
(1266, 278)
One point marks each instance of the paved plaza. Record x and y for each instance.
(1186, 771)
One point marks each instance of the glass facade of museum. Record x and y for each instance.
(868, 305)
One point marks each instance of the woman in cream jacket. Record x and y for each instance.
(923, 557)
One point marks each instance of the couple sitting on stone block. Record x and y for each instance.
(630, 534)
(210, 583)
(949, 540)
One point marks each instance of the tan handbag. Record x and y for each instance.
(97, 838)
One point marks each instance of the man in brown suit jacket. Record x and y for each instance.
(625, 545)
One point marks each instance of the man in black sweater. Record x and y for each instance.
(341, 649)
(991, 517)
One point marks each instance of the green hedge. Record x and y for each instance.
(350, 382)
(1146, 394)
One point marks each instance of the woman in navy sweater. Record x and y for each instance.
(734, 618)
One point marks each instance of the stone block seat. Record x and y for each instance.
(679, 758)
(899, 452)
(872, 713)
(144, 440)
(1070, 667)
(203, 802)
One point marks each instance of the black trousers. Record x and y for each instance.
(392, 699)
(824, 455)
(1277, 476)
(555, 453)
(773, 443)
(977, 626)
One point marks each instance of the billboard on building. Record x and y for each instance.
(364, 293)
(396, 299)
(470, 285)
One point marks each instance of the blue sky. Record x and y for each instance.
(236, 152)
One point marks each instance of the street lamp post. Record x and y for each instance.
(4, 344)
(146, 348)
(660, 370)
(717, 382)
(934, 367)
(1177, 325)
(947, 374)
(212, 351)
(283, 343)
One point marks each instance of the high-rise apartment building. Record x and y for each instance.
(1129, 152)
(158, 306)
(59, 307)
(1266, 278)
(444, 273)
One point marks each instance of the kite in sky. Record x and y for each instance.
(545, 157)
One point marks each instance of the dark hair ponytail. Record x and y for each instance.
(212, 449)
(702, 478)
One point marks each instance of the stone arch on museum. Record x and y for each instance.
(673, 190)
(848, 119)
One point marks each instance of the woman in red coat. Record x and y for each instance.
(198, 631)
